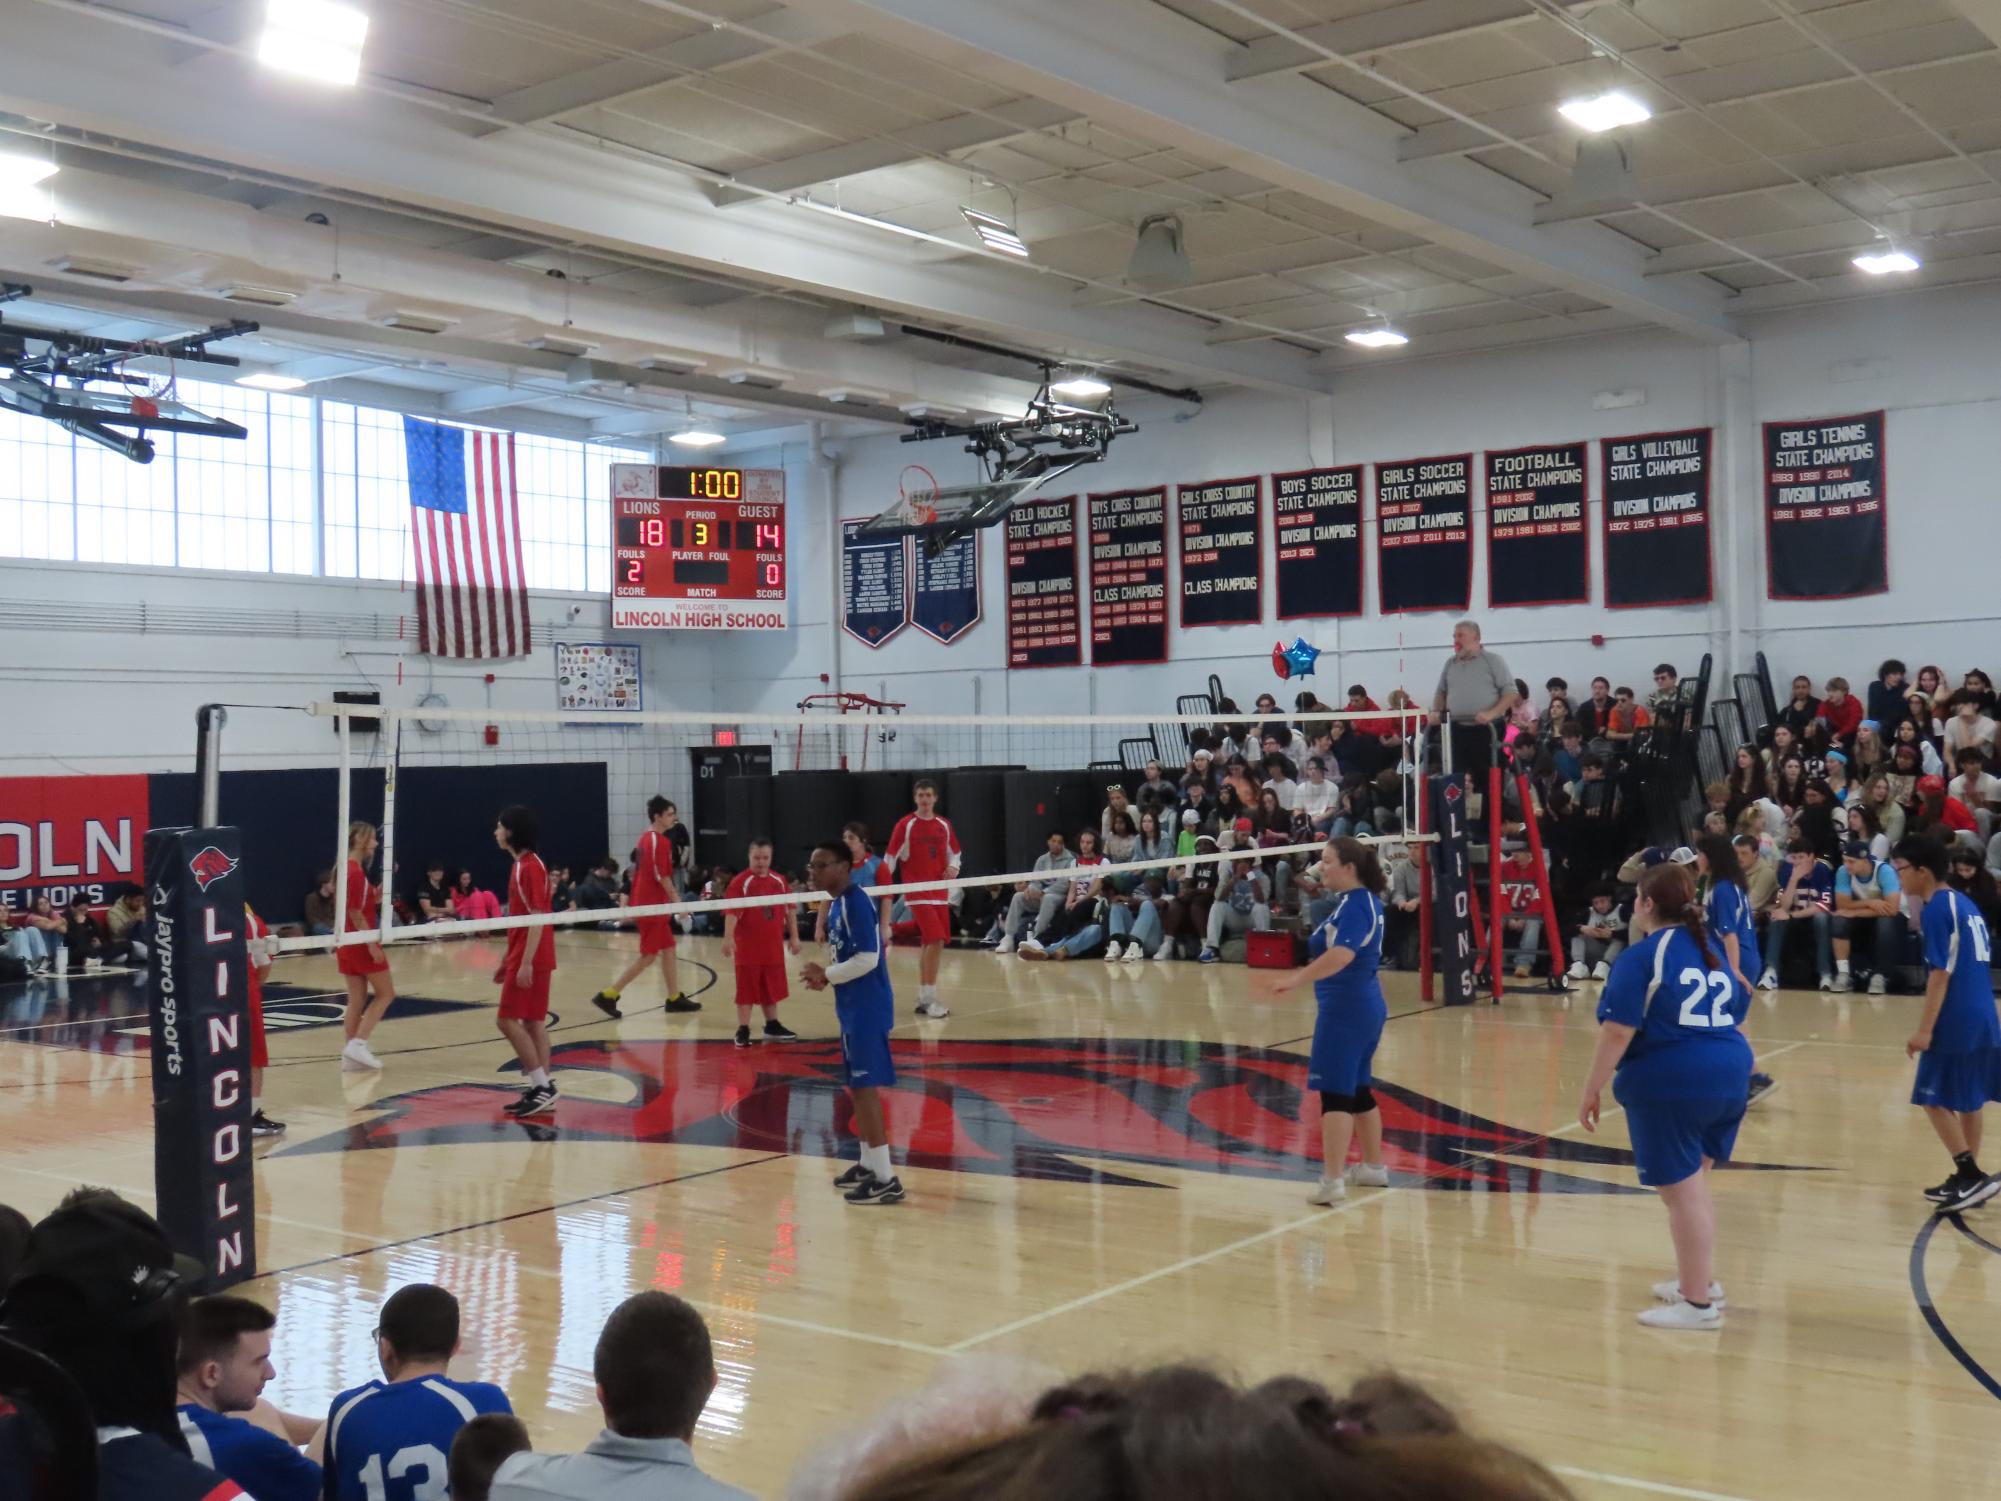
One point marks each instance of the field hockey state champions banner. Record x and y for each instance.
(1222, 556)
(1825, 526)
(1657, 519)
(1424, 535)
(1044, 618)
(947, 589)
(1129, 577)
(875, 585)
(1317, 520)
(1537, 550)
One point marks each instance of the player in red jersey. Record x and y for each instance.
(652, 884)
(257, 956)
(757, 938)
(924, 848)
(523, 975)
(362, 965)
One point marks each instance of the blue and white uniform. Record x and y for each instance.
(1962, 1068)
(389, 1441)
(1350, 1023)
(258, 1460)
(1728, 910)
(862, 1000)
(1683, 1078)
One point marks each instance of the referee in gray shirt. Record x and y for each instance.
(1474, 691)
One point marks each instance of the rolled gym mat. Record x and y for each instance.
(975, 802)
(746, 816)
(808, 808)
(1034, 802)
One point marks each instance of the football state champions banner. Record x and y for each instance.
(947, 589)
(1129, 577)
(1317, 521)
(200, 1017)
(1657, 519)
(1825, 523)
(875, 585)
(1424, 535)
(65, 837)
(1222, 555)
(1044, 617)
(1537, 549)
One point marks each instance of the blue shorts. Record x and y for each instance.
(865, 1057)
(1671, 1137)
(1958, 1081)
(1344, 1049)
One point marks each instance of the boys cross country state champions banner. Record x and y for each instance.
(1825, 523)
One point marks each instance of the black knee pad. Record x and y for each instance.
(1361, 1102)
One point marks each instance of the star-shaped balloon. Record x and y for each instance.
(1294, 661)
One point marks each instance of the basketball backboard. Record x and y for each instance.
(942, 516)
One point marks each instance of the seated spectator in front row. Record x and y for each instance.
(1521, 888)
(1868, 902)
(472, 901)
(1806, 893)
(433, 899)
(224, 1362)
(1600, 938)
(319, 906)
(1074, 931)
(1242, 905)
(88, 948)
(39, 938)
(481, 1448)
(655, 1369)
(1037, 900)
(597, 891)
(125, 919)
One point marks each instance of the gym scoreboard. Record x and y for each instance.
(698, 547)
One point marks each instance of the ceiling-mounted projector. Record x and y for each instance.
(1158, 259)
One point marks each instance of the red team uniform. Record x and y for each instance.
(652, 883)
(355, 958)
(760, 939)
(924, 849)
(527, 891)
(255, 931)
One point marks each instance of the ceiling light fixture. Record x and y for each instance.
(21, 194)
(270, 380)
(1885, 262)
(1377, 338)
(697, 437)
(1081, 385)
(316, 39)
(995, 234)
(1606, 111)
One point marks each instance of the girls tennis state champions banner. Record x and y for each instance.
(1424, 556)
(1129, 577)
(1657, 519)
(1825, 526)
(1222, 556)
(1317, 516)
(875, 585)
(1043, 616)
(1537, 551)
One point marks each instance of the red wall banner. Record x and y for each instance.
(60, 836)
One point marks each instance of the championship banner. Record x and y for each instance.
(65, 837)
(1424, 537)
(948, 590)
(875, 585)
(1657, 519)
(200, 1018)
(1222, 555)
(1317, 520)
(1128, 577)
(1537, 550)
(1826, 530)
(1044, 615)
(1451, 889)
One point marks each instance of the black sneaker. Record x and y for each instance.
(522, 1104)
(678, 1003)
(1967, 1192)
(743, 1037)
(607, 1002)
(1939, 1193)
(1761, 1085)
(854, 1175)
(262, 1125)
(874, 1190)
(776, 1031)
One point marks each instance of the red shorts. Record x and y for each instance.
(527, 1004)
(760, 984)
(260, 1053)
(934, 924)
(355, 959)
(656, 935)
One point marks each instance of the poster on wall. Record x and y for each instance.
(875, 585)
(1657, 519)
(597, 675)
(947, 589)
(1424, 534)
(1537, 549)
(1044, 620)
(1317, 525)
(1826, 530)
(1128, 577)
(63, 837)
(1222, 554)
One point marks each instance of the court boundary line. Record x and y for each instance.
(1921, 1294)
(1631, 1482)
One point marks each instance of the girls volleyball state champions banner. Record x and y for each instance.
(1222, 554)
(1317, 521)
(1657, 519)
(1825, 525)
(875, 585)
(1537, 550)
(1424, 536)
(1044, 618)
(1129, 577)
(947, 592)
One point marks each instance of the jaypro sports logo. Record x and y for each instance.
(1076, 1110)
(210, 865)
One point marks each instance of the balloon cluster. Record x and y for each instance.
(1294, 661)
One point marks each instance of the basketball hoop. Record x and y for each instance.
(917, 488)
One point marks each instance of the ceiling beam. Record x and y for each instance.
(1986, 14)
(489, 399)
(1379, 32)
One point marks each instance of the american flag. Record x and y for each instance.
(464, 525)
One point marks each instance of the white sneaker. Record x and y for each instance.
(1362, 1175)
(1031, 944)
(357, 1057)
(1577, 971)
(1329, 1191)
(1878, 985)
(1842, 985)
(1681, 1314)
(932, 1009)
(1165, 951)
(1827, 982)
(1112, 952)
(1769, 980)
(1670, 1292)
(1006, 945)
(1134, 953)
(1601, 970)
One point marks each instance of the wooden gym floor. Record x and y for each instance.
(1109, 1164)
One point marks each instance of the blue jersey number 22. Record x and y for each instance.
(1719, 990)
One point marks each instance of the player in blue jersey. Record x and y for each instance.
(1958, 1040)
(1345, 951)
(866, 1011)
(391, 1440)
(1668, 1027)
(224, 1361)
(1727, 909)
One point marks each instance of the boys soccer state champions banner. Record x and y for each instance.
(1825, 522)
(1537, 549)
(1317, 523)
